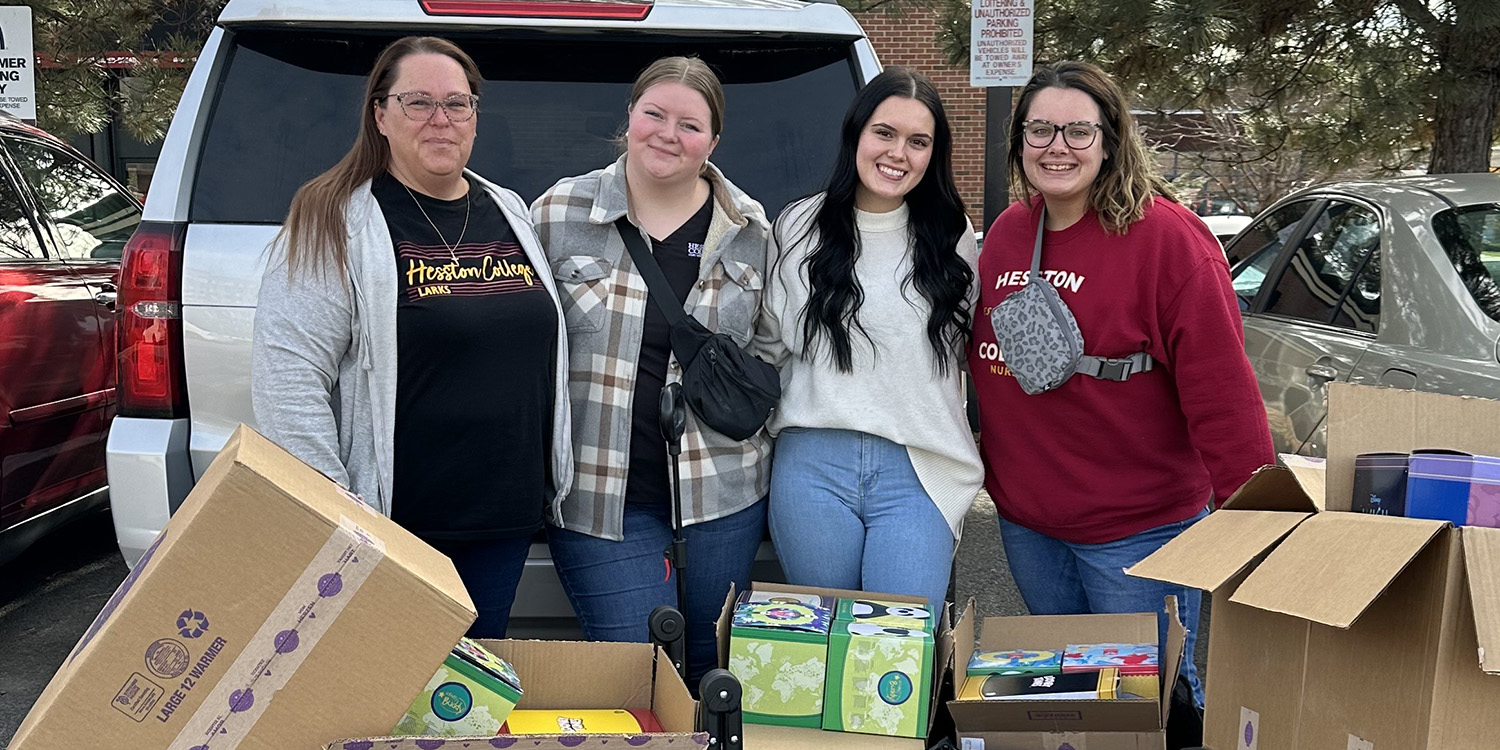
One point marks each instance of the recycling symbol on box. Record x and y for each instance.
(191, 623)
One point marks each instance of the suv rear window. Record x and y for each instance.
(550, 108)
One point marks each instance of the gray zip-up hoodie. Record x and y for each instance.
(323, 358)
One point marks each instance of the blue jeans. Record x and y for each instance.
(848, 512)
(614, 585)
(490, 570)
(1063, 578)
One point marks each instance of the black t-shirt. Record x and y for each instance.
(678, 255)
(476, 342)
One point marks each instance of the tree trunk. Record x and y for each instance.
(1468, 92)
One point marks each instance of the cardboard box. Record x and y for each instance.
(779, 653)
(1138, 724)
(769, 737)
(274, 611)
(1338, 629)
(571, 674)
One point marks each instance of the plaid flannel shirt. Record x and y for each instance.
(604, 301)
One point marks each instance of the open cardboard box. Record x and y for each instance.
(275, 610)
(1334, 629)
(768, 737)
(570, 674)
(1124, 724)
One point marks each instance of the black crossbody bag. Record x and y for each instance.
(730, 389)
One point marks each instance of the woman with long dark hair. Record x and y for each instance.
(868, 314)
(409, 341)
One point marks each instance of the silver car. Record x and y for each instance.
(1382, 282)
(271, 103)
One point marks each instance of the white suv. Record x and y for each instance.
(272, 102)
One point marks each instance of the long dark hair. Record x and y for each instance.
(936, 224)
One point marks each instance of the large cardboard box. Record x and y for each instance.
(769, 737)
(274, 611)
(1339, 629)
(1122, 724)
(569, 674)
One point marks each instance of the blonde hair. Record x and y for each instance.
(690, 72)
(1127, 180)
(315, 232)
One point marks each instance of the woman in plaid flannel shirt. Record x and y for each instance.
(709, 238)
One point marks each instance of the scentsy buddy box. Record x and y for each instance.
(1015, 662)
(1129, 658)
(779, 652)
(879, 679)
(470, 695)
(889, 614)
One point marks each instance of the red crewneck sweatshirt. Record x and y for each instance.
(1095, 460)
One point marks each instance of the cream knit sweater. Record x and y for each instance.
(894, 390)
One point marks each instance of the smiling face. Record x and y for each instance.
(670, 135)
(1063, 175)
(894, 149)
(432, 153)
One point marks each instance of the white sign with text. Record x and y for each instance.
(17, 63)
(1000, 40)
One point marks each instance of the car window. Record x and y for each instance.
(91, 217)
(1258, 247)
(1316, 284)
(17, 240)
(1471, 238)
(548, 109)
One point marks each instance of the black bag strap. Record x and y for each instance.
(656, 281)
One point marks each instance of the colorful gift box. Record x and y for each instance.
(470, 695)
(1484, 493)
(779, 653)
(1129, 658)
(1437, 485)
(1380, 484)
(771, 596)
(890, 614)
(879, 679)
(1015, 662)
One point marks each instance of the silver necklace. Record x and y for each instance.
(439, 232)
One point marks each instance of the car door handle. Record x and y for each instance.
(107, 298)
(1322, 371)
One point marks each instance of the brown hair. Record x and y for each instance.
(316, 235)
(690, 72)
(1127, 179)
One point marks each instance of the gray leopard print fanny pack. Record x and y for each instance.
(1039, 338)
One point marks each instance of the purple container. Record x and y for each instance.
(1380, 484)
(1437, 485)
(1484, 493)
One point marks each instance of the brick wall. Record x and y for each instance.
(909, 39)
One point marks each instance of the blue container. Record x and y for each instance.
(1437, 485)
(1380, 484)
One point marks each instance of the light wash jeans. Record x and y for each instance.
(1063, 578)
(848, 512)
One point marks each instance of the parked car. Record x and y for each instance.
(271, 103)
(1226, 226)
(63, 225)
(1311, 273)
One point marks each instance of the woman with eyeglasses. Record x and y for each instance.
(1094, 475)
(409, 342)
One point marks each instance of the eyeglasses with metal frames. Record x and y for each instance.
(1076, 135)
(421, 107)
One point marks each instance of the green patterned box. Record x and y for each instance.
(470, 695)
(879, 680)
(779, 653)
(889, 614)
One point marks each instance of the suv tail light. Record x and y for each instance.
(151, 378)
(595, 9)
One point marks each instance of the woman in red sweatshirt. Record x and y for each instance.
(1096, 474)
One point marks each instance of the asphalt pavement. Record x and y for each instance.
(50, 594)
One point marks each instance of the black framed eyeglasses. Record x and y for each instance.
(420, 107)
(1077, 135)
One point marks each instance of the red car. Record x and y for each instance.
(63, 226)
